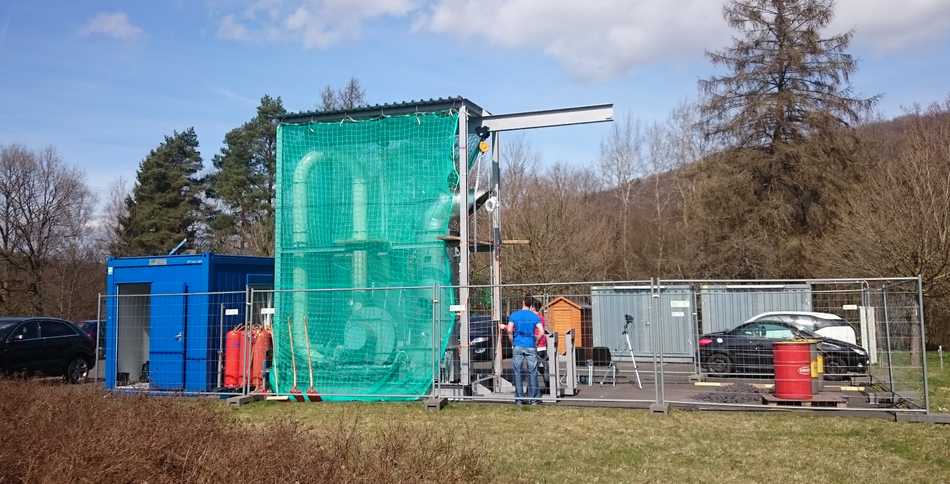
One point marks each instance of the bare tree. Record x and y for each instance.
(519, 163)
(660, 200)
(112, 238)
(350, 96)
(686, 143)
(622, 164)
(328, 100)
(45, 209)
(564, 225)
(899, 221)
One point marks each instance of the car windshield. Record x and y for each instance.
(827, 323)
(5, 327)
(85, 326)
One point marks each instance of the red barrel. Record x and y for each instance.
(234, 359)
(793, 369)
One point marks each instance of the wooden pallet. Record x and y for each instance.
(814, 401)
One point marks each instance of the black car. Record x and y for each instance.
(483, 336)
(95, 329)
(47, 346)
(748, 348)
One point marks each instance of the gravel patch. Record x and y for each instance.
(733, 393)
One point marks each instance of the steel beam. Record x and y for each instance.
(543, 119)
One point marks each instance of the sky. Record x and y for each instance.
(103, 82)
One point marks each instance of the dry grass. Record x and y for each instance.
(54, 433)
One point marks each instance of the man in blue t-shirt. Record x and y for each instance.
(524, 330)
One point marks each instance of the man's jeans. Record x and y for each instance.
(520, 355)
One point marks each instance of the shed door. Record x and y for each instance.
(564, 322)
(166, 366)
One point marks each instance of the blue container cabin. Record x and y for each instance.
(166, 316)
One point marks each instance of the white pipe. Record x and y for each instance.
(301, 211)
(300, 189)
(301, 231)
(360, 231)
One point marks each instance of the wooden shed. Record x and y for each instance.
(563, 315)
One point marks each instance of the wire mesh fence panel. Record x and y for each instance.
(854, 344)
(899, 368)
(168, 341)
(811, 343)
(97, 330)
(568, 357)
(368, 344)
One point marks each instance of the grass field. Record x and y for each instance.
(564, 444)
(53, 433)
(938, 380)
(561, 444)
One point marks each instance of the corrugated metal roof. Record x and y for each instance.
(389, 109)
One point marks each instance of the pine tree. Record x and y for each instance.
(785, 82)
(243, 184)
(162, 209)
(784, 113)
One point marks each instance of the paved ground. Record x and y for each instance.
(683, 388)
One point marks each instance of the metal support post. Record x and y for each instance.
(660, 407)
(465, 367)
(923, 342)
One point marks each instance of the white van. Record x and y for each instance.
(825, 324)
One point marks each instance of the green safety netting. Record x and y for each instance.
(360, 207)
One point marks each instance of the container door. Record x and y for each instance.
(166, 365)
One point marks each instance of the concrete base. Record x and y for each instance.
(660, 409)
(933, 418)
(697, 377)
(889, 398)
(860, 380)
(245, 399)
(435, 403)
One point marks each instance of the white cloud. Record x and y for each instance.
(231, 95)
(231, 29)
(593, 40)
(115, 25)
(887, 26)
(313, 23)
(602, 39)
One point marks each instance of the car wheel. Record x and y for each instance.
(719, 363)
(835, 369)
(76, 370)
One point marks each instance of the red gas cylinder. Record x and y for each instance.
(234, 358)
(260, 353)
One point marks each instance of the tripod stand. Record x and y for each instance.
(626, 337)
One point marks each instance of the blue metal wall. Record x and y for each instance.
(186, 297)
